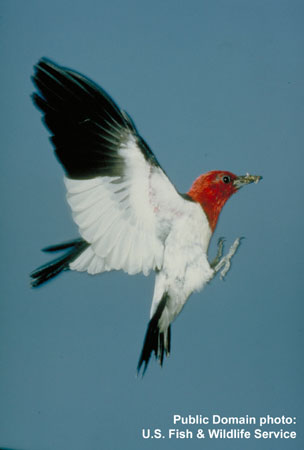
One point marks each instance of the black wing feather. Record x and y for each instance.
(53, 268)
(87, 126)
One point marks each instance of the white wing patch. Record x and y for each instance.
(123, 217)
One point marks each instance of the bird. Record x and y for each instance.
(129, 214)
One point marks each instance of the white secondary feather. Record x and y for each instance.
(125, 219)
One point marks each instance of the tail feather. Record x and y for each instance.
(155, 341)
(51, 269)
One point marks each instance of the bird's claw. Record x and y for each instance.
(220, 250)
(225, 262)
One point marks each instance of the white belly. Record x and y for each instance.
(185, 266)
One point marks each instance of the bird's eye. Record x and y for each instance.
(226, 179)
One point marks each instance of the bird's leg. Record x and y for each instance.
(224, 261)
(220, 248)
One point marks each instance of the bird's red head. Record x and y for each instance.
(213, 189)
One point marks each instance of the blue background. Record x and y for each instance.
(210, 84)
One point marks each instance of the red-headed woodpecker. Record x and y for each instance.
(129, 214)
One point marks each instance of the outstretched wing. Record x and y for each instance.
(121, 199)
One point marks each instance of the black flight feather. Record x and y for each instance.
(53, 268)
(87, 126)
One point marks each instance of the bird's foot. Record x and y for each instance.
(220, 249)
(224, 262)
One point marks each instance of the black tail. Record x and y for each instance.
(159, 342)
(51, 269)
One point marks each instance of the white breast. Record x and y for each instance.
(185, 267)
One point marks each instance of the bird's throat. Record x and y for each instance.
(212, 212)
(211, 202)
